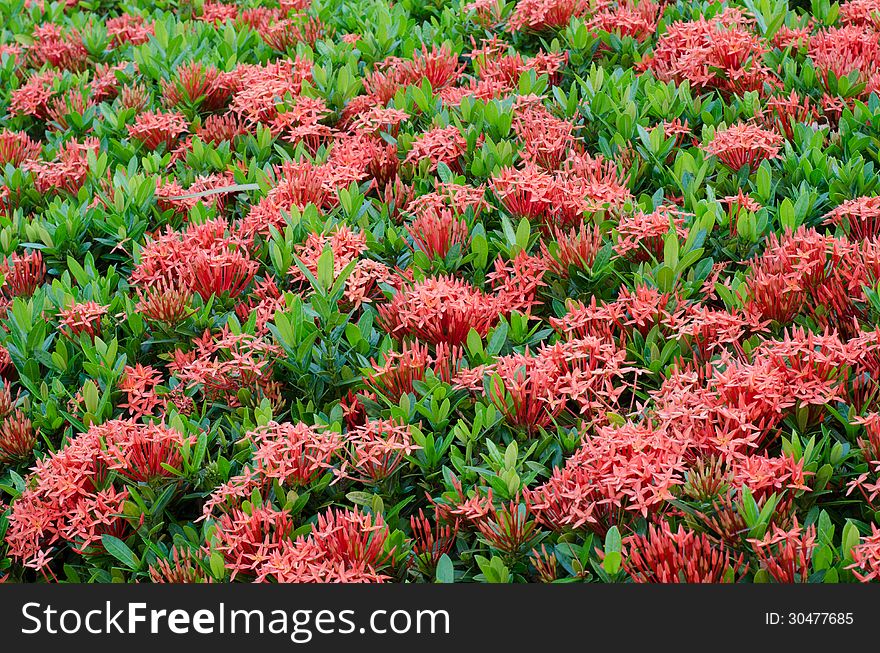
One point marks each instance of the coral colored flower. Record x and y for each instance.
(485, 12)
(744, 145)
(22, 274)
(839, 51)
(256, 89)
(127, 28)
(510, 528)
(641, 236)
(400, 370)
(264, 301)
(223, 364)
(866, 557)
(799, 272)
(17, 147)
(439, 145)
(344, 547)
(62, 49)
(683, 556)
(196, 84)
(284, 34)
(861, 12)
(737, 206)
(166, 258)
(436, 232)
(635, 19)
(17, 436)
(430, 542)
(440, 309)
(299, 184)
(576, 249)
(134, 96)
(164, 302)
(546, 139)
(784, 113)
(70, 499)
(787, 555)
(69, 169)
(379, 119)
(215, 273)
(439, 66)
(217, 12)
(860, 217)
(616, 472)
(221, 127)
(181, 566)
(84, 317)
(139, 385)
(722, 53)
(362, 283)
(293, 454)
(247, 539)
(72, 102)
(377, 449)
(140, 452)
(540, 15)
(153, 128)
(32, 98)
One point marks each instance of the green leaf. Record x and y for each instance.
(613, 546)
(119, 550)
(474, 343)
(670, 250)
(325, 268)
(497, 339)
(523, 233)
(612, 561)
(218, 567)
(445, 570)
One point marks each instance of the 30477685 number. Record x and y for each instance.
(809, 618)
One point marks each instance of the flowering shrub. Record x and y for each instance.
(528, 291)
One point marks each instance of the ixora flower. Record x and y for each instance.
(22, 274)
(224, 363)
(683, 556)
(435, 232)
(76, 494)
(68, 170)
(440, 145)
(399, 371)
(441, 309)
(181, 566)
(722, 52)
(293, 454)
(17, 147)
(82, 317)
(615, 473)
(786, 555)
(860, 217)
(840, 51)
(153, 128)
(17, 435)
(539, 15)
(344, 546)
(744, 145)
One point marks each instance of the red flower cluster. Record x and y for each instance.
(72, 495)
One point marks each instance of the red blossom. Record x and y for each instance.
(744, 145)
(83, 317)
(153, 128)
(683, 556)
(787, 555)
